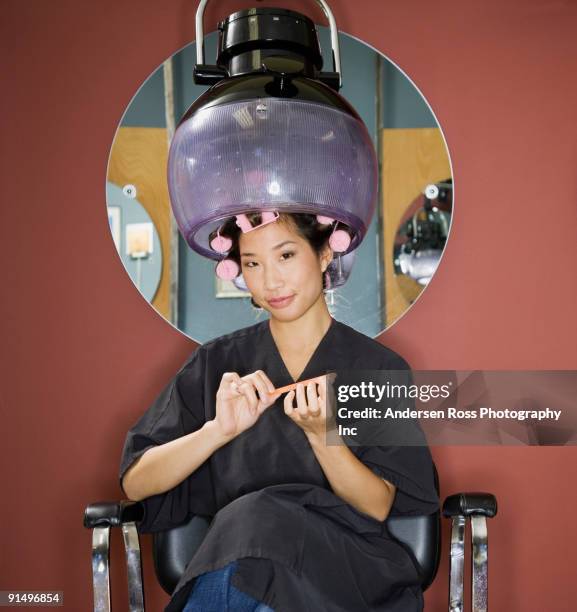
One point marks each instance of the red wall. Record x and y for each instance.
(83, 354)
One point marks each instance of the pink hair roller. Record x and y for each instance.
(245, 225)
(227, 269)
(243, 222)
(339, 241)
(220, 244)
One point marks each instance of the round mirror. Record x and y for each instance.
(181, 285)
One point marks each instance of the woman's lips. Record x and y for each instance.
(281, 303)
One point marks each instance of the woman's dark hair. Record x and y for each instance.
(305, 224)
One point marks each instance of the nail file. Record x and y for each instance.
(292, 386)
(287, 388)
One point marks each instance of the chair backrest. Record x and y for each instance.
(422, 536)
(173, 548)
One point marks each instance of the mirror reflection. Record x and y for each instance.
(181, 285)
(422, 235)
(135, 238)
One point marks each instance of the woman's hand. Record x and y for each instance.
(237, 405)
(310, 413)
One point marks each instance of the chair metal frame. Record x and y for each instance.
(101, 516)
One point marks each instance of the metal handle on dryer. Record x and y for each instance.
(325, 7)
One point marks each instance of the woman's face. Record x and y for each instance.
(281, 270)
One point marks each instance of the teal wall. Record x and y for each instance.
(402, 105)
(146, 108)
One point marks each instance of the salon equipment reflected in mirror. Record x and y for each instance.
(412, 154)
(135, 238)
(421, 238)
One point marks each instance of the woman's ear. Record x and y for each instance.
(326, 257)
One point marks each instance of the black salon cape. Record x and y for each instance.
(300, 547)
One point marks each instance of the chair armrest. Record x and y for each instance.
(112, 514)
(460, 508)
(470, 504)
(100, 517)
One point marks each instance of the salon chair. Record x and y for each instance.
(172, 549)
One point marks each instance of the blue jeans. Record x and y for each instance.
(213, 592)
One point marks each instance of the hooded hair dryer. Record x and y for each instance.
(271, 135)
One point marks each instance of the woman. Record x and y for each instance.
(298, 524)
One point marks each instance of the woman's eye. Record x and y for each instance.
(253, 264)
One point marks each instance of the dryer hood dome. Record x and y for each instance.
(270, 141)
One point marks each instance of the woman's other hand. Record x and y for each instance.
(310, 413)
(237, 405)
